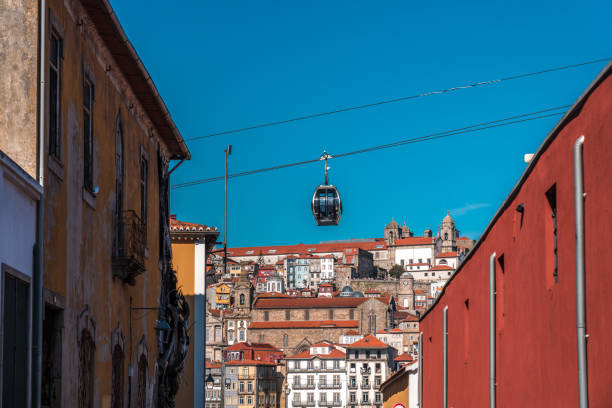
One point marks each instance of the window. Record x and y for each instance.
(336, 364)
(287, 314)
(310, 380)
(241, 400)
(242, 299)
(249, 400)
(310, 364)
(55, 56)
(142, 382)
(249, 387)
(365, 397)
(86, 366)
(117, 378)
(336, 397)
(322, 379)
(230, 336)
(331, 314)
(261, 337)
(296, 380)
(241, 387)
(323, 397)
(266, 316)
(378, 398)
(551, 233)
(285, 340)
(311, 397)
(88, 98)
(377, 380)
(411, 261)
(351, 314)
(15, 331)
(144, 171)
(306, 315)
(242, 335)
(353, 397)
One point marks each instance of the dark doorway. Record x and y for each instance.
(52, 358)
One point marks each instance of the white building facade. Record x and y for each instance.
(317, 377)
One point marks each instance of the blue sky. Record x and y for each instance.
(230, 64)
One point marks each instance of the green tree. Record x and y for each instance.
(396, 271)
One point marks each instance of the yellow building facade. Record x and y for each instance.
(191, 244)
(222, 293)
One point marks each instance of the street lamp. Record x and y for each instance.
(209, 382)
(287, 391)
(161, 329)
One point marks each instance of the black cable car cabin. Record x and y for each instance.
(326, 205)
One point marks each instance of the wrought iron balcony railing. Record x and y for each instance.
(129, 247)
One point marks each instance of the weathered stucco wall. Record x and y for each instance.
(18, 81)
(79, 226)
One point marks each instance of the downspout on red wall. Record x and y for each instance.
(583, 391)
(492, 311)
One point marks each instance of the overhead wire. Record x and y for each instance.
(525, 117)
(394, 100)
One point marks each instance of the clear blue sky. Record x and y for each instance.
(227, 64)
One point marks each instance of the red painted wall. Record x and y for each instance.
(536, 317)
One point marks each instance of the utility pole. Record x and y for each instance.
(228, 151)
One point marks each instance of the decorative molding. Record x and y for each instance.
(85, 321)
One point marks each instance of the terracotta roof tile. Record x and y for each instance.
(334, 354)
(441, 268)
(403, 357)
(368, 342)
(302, 303)
(250, 362)
(352, 333)
(183, 226)
(447, 255)
(305, 324)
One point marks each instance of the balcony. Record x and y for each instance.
(336, 403)
(303, 403)
(365, 370)
(129, 247)
(329, 386)
(352, 386)
(365, 386)
(303, 386)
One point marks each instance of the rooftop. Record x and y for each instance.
(305, 324)
(368, 342)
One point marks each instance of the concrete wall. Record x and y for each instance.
(536, 316)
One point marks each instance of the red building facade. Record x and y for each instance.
(535, 299)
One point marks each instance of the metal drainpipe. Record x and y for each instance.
(445, 359)
(37, 285)
(421, 370)
(492, 354)
(580, 278)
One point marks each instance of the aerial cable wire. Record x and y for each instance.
(400, 99)
(545, 113)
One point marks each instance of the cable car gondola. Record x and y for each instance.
(326, 203)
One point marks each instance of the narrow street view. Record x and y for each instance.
(287, 205)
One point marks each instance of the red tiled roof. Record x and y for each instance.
(325, 284)
(409, 241)
(441, 268)
(396, 330)
(411, 318)
(382, 331)
(352, 333)
(335, 354)
(368, 342)
(303, 249)
(301, 303)
(447, 255)
(419, 291)
(305, 324)
(183, 226)
(250, 362)
(464, 239)
(245, 346)
(403, 357)
(418, 264)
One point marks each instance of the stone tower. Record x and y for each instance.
(405, 294)
(243, 291)
(448, 234)
(392, 232)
